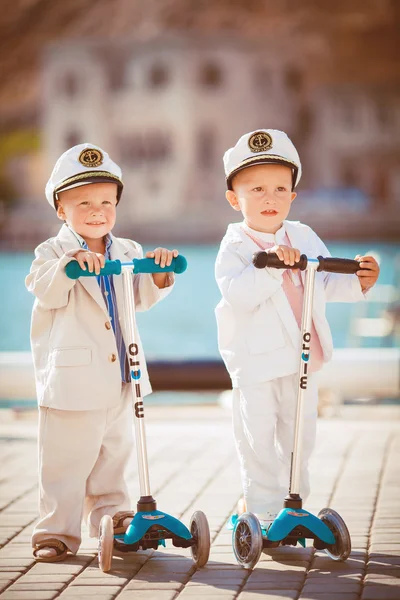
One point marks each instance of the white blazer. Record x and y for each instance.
(258, 336)
(73, 345)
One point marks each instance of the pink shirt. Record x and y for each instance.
(292, 285)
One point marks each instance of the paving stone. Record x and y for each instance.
(106, 580)
(278, 576)
(273, 565)
(382, 580)
(210, 575)
(29, 595)
(92, 590)
(147, 595)
(381, 592)
(39, 585)
(268, 595)
(336, 587)
(5, 583)
(16, 562)
(168, 566)
(200, 590)
(103, 596)
(154, 585)
(55, 567)
(328, 595)
(215, 595)
(11, 569)
(283, 584)
(384, 559)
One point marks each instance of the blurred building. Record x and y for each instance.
(167, 110)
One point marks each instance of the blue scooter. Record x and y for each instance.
(149, 527)
(293, 524)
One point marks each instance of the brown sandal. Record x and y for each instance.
(119, 518)
(59, 546)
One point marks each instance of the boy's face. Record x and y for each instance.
(264, 195)
(89, 209)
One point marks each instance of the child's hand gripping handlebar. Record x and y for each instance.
(331, 265)
(139, 265)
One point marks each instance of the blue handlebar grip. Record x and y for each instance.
(147, 265)
(74, 271)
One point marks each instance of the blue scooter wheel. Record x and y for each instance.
(247, 540)
(341, 549)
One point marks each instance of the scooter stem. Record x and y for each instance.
(134, 366)
(306, 327)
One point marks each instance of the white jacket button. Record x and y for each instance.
(112, 357)
(107, 325)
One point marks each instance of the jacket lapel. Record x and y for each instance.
(68, 242)
(247, 247)
(297, 240)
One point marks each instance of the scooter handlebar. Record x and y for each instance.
(270, 259)
(139, 265)
(338, 265)
(331, 265)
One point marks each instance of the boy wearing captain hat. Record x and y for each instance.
(79, 353)
(259, 316)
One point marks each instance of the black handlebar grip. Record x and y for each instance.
(270, 259)
(338, 265)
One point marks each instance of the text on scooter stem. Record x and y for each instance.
(305, 357)
(136, 374)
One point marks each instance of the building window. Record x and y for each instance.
(116, 76)
(70, 85)
(158, 76)
(263, 79)
(206, 148)
(305, 121)
(72, 138)
(210, 75)
(381, 187)
(294, 79)
(138, 149)
(349, 176)
(348, 113)
(383, 113)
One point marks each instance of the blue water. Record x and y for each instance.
(183, 325)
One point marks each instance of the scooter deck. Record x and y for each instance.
(143, 521)
(287, 521)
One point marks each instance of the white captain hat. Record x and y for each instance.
(261, 147)
(81, 165)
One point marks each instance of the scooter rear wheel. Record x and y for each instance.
(106, 543)
(247, 540)
(201, 533)
(341, 549)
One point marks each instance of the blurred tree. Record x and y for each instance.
(13, 144)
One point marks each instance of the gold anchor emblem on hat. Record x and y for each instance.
(91, 157)
(260, 141)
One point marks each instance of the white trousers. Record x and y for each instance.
(82, 459)
(263, 421)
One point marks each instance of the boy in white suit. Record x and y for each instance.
(259, 316)
(82, 376)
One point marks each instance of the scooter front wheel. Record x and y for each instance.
(106, 543)
(247, 540)
(201, 534)
(341, 549)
